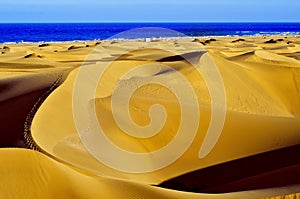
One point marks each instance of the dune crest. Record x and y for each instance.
(172, 86)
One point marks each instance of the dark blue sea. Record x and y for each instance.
(35, 32)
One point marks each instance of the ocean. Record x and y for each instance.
(56, 32)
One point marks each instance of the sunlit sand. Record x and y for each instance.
(261, 84)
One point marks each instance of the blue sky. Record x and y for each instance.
(155, 10)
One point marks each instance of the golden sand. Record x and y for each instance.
(261, 83)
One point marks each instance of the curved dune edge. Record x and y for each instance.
(262, 113)
(30, 174)
(24, 80)
(274, 82)
(276, 168)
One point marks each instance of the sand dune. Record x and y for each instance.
(56, 180)
(261, 79)
(23, 81)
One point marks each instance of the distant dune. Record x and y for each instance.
(255, 155)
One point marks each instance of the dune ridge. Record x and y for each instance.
(56, 180)
(261, 77)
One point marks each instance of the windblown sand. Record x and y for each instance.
(261, 78)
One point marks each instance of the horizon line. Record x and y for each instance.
(57, 22)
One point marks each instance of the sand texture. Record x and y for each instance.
(229, 126)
